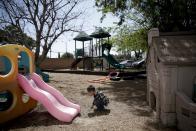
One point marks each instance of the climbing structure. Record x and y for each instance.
(14, 101)
(96, 57)
(80, 53)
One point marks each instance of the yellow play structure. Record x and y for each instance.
(14, 101)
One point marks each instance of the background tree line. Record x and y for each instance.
(136, 17)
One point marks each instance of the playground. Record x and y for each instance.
(98, 65)
(128, 109)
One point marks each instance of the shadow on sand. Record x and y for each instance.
(33, 118)
(130, 92)
(133, 93)
(99, 113)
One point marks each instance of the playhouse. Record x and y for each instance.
(171, 77)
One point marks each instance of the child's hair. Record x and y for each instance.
(91, 88)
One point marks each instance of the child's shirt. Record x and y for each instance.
(100, 99)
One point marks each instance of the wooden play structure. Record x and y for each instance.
(80, 54)
(97, 54)
(171, 78)
(14, 101)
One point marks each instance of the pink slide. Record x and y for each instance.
(56, 104)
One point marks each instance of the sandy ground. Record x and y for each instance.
(127, 111)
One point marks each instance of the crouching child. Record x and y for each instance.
(100, 100)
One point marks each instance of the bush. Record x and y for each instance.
(67, 55)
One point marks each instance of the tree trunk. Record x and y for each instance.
(37, 51)
(137, 54)
(44, 54)
(42, 57)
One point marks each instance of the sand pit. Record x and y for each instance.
(127, 111)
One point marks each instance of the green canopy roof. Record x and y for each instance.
(100, 33)
(83, 36)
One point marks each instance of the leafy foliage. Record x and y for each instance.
(67, 55)
(12, 34)
(167, 15)
(127, 41)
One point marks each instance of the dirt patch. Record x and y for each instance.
(127, 111)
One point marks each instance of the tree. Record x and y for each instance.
(12, 34)
(49, 19)
(67, 55)
(167, 15)
(128, 41)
